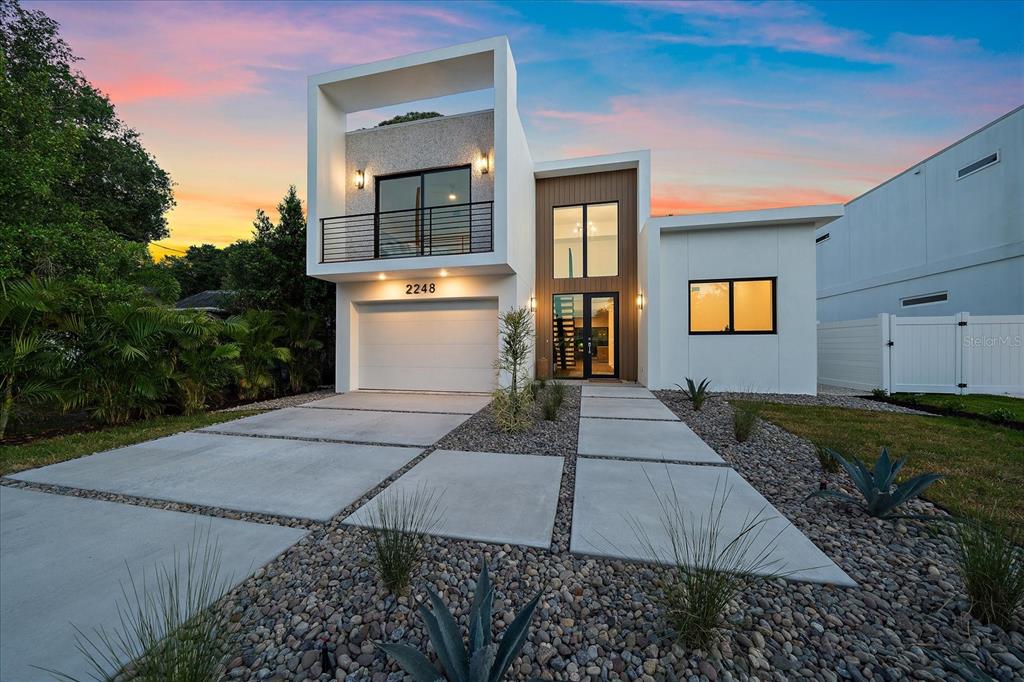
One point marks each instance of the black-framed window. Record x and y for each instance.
(733, 306)
(585, 240)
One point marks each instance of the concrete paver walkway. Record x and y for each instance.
(485, 496)
(450, 403)
(64, 560)
(361, 426)
(632, 439)
(615, 499)
(266, 475)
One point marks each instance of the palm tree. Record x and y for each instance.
(31, 356)
(123, 368)
(202, 364)
(257, 334)
(307, 357)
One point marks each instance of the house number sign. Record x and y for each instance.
(424, 288)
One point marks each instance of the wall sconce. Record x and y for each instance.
(483, 163)
(640, 300)
(533, 304)
(360, 179)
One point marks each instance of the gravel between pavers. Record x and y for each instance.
(598, 619)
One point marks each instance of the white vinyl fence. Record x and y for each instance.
(953, 354)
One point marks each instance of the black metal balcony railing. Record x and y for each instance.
(436, 231)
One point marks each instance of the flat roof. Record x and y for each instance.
(816, 215)
(408, 78)
(591, 164)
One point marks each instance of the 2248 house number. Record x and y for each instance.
(425, 288)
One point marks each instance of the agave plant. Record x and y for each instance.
(882, 495)
(696, 393)
(485, 660)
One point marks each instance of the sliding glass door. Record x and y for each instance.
(424, 213)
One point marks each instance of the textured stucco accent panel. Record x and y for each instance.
(432, 143)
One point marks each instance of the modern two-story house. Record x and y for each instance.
(429, 228)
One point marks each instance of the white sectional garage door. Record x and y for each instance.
(428, 345)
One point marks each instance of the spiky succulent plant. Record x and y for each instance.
(696, 393)
(882, 495)
(485, 660)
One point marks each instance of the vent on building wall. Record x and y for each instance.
(978, 165)
(821, 238)
(926, 298)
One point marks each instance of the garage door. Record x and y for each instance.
(428, 345)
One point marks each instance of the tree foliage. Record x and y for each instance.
(201, 268)
(409, 116)
(80, 194)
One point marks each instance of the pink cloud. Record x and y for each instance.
(675, 199)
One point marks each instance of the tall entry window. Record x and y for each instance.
(586, 240)
(410, 204)
(732, 306)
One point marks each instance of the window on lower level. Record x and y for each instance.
(732, 306)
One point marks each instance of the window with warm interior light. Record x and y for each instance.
(586, 240)
(733, 306)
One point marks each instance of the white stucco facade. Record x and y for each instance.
(771, 244)
(429, 322)
(929, 231)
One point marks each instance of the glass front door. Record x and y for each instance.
(585, 328)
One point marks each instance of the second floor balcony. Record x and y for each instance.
(449, 230)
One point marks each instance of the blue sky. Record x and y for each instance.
(743, 104)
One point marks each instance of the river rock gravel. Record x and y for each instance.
(600, 619)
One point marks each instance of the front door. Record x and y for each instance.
(586, 328)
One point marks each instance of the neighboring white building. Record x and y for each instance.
(432, 227)
(943, 237)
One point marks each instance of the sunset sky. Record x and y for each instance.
(745, 105)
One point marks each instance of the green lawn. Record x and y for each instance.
(983, 463)
(44, 451)
(980, 404)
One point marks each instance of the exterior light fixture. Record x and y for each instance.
(360, 178)
(533, 304)
(640, 300)
(483, 164)
(444, 273)
(452, 197)
(381, 276)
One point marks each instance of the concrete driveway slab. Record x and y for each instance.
(612, 496)
(360, 426)
(614, 391)
(626, 408)
(451, 403)
(637, 439)
(485, 496)
(63, 560)
(267, 475)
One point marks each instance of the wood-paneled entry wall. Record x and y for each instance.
(588, 189)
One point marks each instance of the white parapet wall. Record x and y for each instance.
(957, 354)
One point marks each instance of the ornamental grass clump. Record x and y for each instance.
(744, 420)
(549, 408)
(710, 564)
(991, 563)
(169, 631)
(880, 493)
(483, 660)
(696, 393)
(400, 522)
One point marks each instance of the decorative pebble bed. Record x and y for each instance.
(599, 619)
